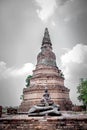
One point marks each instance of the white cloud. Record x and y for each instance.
(2, 66)
(63, 2)
(12, 82)
(47, 8)
(76, 55)
(53, 23)
(67, 19)
(15, 72)
(74, 61)
(25, 69)
(65, 50)
(74, 66)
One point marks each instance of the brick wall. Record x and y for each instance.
(44, 124)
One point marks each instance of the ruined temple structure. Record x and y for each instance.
(46, 74)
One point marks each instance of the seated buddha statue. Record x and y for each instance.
(45, 107)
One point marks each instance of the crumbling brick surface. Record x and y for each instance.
(23, 122)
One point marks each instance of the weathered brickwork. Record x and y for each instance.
(46, 74)
(44, 124)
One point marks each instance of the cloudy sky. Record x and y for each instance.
(22, 24)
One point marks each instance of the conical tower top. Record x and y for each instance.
(46, 56)
(46, 38)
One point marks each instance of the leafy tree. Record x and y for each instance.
(82, 90)
(27, 85)
(28, 80)
(22, 97)
(61, 74)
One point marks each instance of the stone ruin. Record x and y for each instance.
(45, 74)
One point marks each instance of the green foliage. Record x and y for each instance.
(22, 97)
(27, 85)
(82, 90)
(61, 74)
(28, 80)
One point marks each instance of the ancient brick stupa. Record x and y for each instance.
(46, 74)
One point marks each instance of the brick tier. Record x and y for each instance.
(46, 74)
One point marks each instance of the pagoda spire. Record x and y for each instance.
(46, 38)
